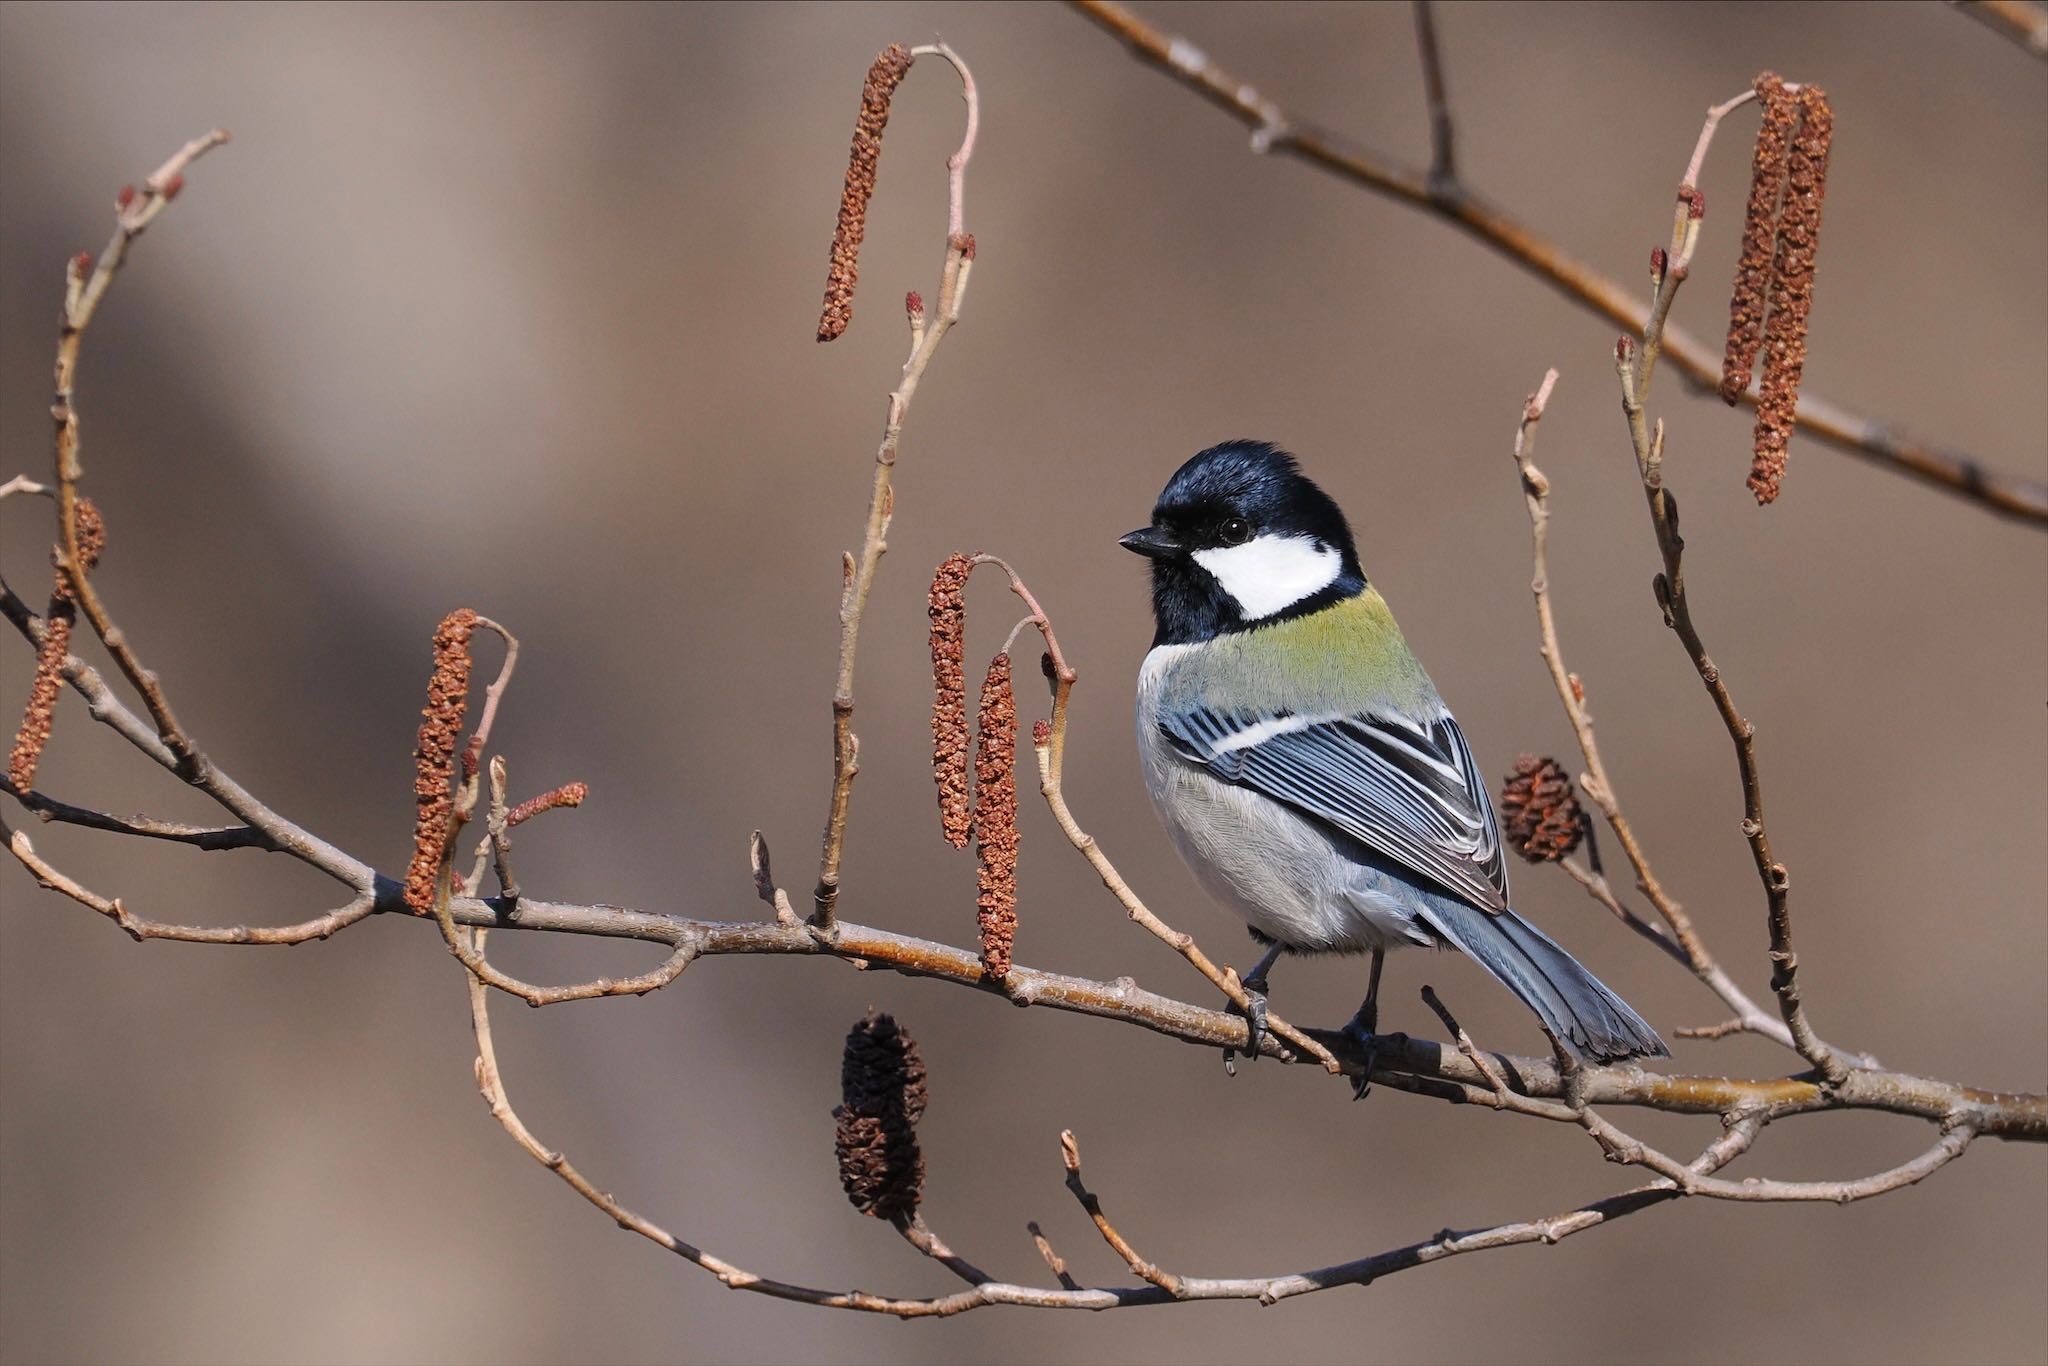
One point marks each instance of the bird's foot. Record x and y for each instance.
(1254, 1020)
(1361, 1030)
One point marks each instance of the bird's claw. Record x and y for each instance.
(1361, 1031)
(1254, 1022)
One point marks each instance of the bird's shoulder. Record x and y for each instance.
(1349, 657)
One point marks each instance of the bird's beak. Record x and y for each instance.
(1150, 542)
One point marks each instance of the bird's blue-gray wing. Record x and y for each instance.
(1406, 788)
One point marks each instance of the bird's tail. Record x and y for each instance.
(1576, 1005)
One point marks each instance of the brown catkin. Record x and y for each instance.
(1539, 810)
(863, 162)
(434, 758)
(568, 794)
(882, 1097)
(40, 713)
(948, 608)
(995, 818)
(1791, 292)
(1759, 233)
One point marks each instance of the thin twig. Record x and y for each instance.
(1634, 367)
(920, 1236)
(2023, 22)
(1686, 943)
(50, 810)
(81, 301)
(1070, 1156)
(139, 928)
(858, 576)
(1277, 130)
(1443, 164)
(956, 164)
(1053, 1261)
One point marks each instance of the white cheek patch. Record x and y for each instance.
(1269, 574)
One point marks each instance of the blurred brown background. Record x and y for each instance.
(512, 307)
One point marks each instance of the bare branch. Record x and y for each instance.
(2023, 22)
(49, 809)
(1070, 1155)
(1277, 130)
(1557, 1089)
(1635, 365)
(1443, 163)
(859, 575)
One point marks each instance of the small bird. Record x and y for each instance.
(1304, 764)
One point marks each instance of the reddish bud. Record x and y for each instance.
(913, 304)
(173, 185)
(80, 264)
(1041, 733)
(1660, 260)
(962, 242)
(1695, 202)
(1624, 348)
(125, 198)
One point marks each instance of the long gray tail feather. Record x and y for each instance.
(1575, 1004)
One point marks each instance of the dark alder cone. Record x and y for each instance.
(948, 609)
(1539, 810)
(995, 818)
(882, 1096)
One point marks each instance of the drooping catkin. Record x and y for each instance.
(40, 713)
(863, 162)
(1791, 292)
(882, 1097)
(434, 757)
(1759, 233)
(948, 610)
(995, 818)
(1540, 817)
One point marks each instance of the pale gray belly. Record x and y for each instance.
(1273, 867)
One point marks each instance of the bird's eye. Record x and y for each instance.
(1235, 531)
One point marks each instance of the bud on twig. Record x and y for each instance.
(995, 818)
(948, 609)
(882, 1097)
(863, 162)
(1539, 811)
(434, 758)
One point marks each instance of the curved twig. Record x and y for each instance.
(858, 576)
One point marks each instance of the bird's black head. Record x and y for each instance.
(1241, 538)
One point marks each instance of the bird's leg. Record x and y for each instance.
(1254, 984)
(1365, 1025)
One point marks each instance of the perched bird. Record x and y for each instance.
(1303, 762)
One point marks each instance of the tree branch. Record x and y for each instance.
(1557, 1089)
(1277, 130)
